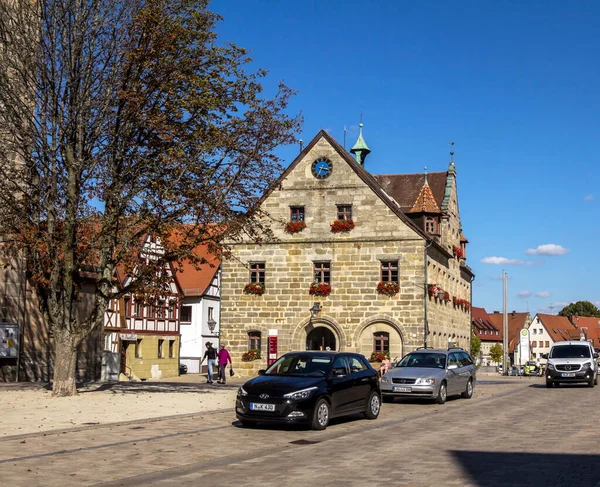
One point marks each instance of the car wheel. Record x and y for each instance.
(373, 406)
(387, 399)
(468, 393)
(549, 383)
(247, 423)
(321, 415)
(442, 394)
(591, 383)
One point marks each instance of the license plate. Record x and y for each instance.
(567, 374)
(262, 407)
(402, 389)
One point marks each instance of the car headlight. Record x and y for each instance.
(242, 392)
(550, 366)
(386, 379)
(425, 382)
(300, 395)
(586, 366)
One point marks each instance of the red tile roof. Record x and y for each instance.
(425, 202)
(559, 327)
(591, 328)
(516, 322)
(405, 188)
(195, 279)
(481, 323)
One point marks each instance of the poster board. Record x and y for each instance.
(9, 340)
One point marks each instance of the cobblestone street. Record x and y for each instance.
(513, 432)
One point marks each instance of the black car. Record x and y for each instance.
(311, 388)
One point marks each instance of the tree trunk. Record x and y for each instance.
(65, 365)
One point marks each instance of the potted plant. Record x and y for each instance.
(389, 288)
(251, 355)
(256, 288)
(294, 227)
(457, 251)
(320, 289)
(379, 356)
(342, 226)
(446, 296)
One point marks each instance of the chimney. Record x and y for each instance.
(498, 312)
(572, 321)
(513, 313)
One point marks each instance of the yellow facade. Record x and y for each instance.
(143, 361)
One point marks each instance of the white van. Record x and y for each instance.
(571, 361)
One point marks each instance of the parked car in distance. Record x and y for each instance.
(310, 388)
(571, 361)
(182, 369)
(431, 373)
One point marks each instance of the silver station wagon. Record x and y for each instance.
(430, 373)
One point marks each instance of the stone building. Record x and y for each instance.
(358, 262)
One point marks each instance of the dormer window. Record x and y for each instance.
(430, 224)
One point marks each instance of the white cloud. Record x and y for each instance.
(548, 249)
(559, 304)
(589, 197)
(542, 294)
(524, 294)
(505, 261)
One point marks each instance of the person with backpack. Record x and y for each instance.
(211, 355)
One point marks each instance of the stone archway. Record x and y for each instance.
(380, 329)
(321, 338)
(311, 327)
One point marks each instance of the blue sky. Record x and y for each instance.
(514, 84)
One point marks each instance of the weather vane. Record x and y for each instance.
(451, 151)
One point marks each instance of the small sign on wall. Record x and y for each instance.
(129, 337)
(272, 347)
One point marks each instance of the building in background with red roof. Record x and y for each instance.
(200, 308)
(488, 333)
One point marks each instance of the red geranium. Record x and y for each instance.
(256, 288)
(294, 227)
(320, 289)
(389, 288)
(342, 226)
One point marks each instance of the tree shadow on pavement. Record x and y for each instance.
(150, 387)
(519, 469)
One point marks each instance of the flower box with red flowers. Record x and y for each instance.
(320, 289)
(389, 288)
(251, 355)
(342, 226)
(446, 296)
(256, 288)
(379, 356)
(457, 251)
(294, 227)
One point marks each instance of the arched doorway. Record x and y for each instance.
(320, 338)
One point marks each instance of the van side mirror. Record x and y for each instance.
(596, 355)
(261, 372)
(545, 356)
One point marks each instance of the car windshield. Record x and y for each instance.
(426, 360)
(570, 351)
(300, 365)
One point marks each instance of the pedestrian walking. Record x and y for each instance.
(211, 355)
(224, 359)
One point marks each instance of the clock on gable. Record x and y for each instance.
(321, 168)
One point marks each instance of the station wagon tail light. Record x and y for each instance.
(242, 392)
(300, 395)
(425, 382)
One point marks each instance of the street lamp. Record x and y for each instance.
(211, 325)
(314, 311)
